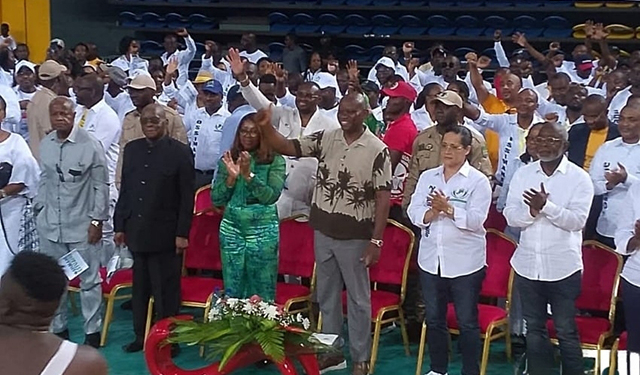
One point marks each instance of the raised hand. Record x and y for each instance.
(497, 35)
(589, 28)
(554, 46)
(352, 69)
(519, 39)
(279, 72)
(472, 59)
(483, 62)
(209, 46)
(172, 66)
(233, 169)
(237, 66)
(263, 117)
(599, 32)
(182, 32)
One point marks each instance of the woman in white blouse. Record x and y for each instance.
(450, 205)
(130, 61)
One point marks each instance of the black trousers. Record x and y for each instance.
(155, 274)
(203, 178)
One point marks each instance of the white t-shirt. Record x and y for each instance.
(253, 57)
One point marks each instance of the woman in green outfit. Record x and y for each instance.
(249, 181)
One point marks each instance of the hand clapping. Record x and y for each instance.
(439, 201)
(615, 177)
(535, 199)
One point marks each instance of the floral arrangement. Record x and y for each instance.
(233, 323)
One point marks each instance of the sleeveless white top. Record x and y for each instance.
(60, 361)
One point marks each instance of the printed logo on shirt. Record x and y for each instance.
(218, 127)
(459, 195)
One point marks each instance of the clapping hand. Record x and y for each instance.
(439, 201)
(616, 176)
(172, 66)
(233, 168)
(535, 200)
(244, 161)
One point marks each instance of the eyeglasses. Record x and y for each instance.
(542, 140)
(447, 147)
(249, 133)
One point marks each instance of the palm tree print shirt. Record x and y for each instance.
(348, 177)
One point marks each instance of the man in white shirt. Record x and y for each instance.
(5, 38)
(424, 108)
(96, 117)
(621, 98)
(450, 205)
(550, 200)
(184, 57)
(204, 130)
(329, 94)
(25, 89)
(615, 167)
(390, 52)
(249, 49)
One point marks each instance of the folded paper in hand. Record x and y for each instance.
(72, 264)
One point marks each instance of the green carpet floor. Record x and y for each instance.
(391, 357)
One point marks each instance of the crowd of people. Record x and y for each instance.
(99, 157)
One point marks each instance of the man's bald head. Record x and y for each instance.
(153, 120)
(352, 111)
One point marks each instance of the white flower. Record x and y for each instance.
(232, 302)
(299, 318)
(306, 323)
(271, 312)
(248, 307)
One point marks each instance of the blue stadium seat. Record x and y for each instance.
(279, 23)
(355, 52)
(151, 47)
(441, 3)
(332, 2)
(468, 26)
(493, 23)
(461, 52)
(308, 48)
(175, 21)
(412, 3)
(529, 3)
(129, 19)
(556, 27)
(375, 53)
(440, 26)
(331, 24)
(412, 25)
(177, 1)
(152, 20)
(200, 22)
(385, 3)
(305, 23)
(557, 3)
(275, 51)
(470, 3)
(200, 49)
(356, 24)
(528, 25)
(359, 2)
(489, 52)
(203, 1)
(384, 25)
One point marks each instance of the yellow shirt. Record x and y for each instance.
(596, 139)
(494, 106)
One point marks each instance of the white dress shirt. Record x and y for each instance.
(103, 123)
(511, 137)
(422, 118)
(205, 132)
(455, 247)
(184, 59)
(131, 65)
(626, 229)
(550, 247)
(605, 160)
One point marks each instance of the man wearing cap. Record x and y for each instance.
(183, 57)
(293, 123)
(425, 152)
(142, 90)
(390, 56)
(384, 69)
(52, 84)
(204, 130)
(399, 136)
(96, 117)
(115, 94)
(187, 95)
(329, 94)
(25, 90)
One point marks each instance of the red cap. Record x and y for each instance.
(401, 89)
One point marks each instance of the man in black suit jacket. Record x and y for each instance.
(594, 111)
(153, 217)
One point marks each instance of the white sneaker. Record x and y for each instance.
(434, 373)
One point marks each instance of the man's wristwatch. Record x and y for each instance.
(3, 194)
(96, 223)
(378, 243)
(449, 211)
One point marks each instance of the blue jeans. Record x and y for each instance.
(465, 293)
(561, 295)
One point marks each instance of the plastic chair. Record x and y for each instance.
(359, 2)
(499, 3)
(412, 25)
(391, 270)
(384, 25)
(585, 4)
(468, 26)
(305, 23)
(470, 3)
(355, 52)
(557, 3)
(412, 3)
(493, 23)
(440, 26)
(599, 292)
(619, 4)
(120, 280)
(129, 19)
(528, 25)
(175, 21)
(152, 20)
(375, 53)
(556, 27)
(618, 31)
(385, 3)
(461, 52)
(356, 24)
(150, 47)
(296, 257)
(331, 24)
(201, 22)
(275, 51)
(332, 2)
(493, 320)
(279, 23)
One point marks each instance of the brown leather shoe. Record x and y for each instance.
(331, 362)
(360, 368)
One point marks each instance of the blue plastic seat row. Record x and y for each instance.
(171, 20)
(432, 3)
(437, 25)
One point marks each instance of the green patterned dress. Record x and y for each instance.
(249, 229)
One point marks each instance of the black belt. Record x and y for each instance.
(209, 172)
